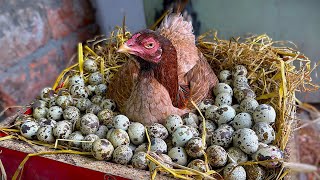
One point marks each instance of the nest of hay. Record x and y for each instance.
(275, 72)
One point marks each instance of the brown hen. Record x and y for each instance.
(166, 72)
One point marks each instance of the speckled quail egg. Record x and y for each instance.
(78, 91)
(249, 105)
(45, 134)
(236, 107)
(90, 89)
(102, 131)
(89, 124)
(246, 139)
(157, 130)
(108, 104)
(163, 158)
(122, 155)
(244, 93)
(132, 147)
(39, 103)
(47, 93)
(203, 105)
(139, 160)
(222, 88)
(225, 76)
(210, 126)
(181, 136)
(64, 101)
(173, 122)
(242, 120)
(52, 102)
(234, 172)
(62, 130)
(137, 133)
(101, 89)
(96, 99)
(109, 133)
(264, 113)
(255, 172)
(55, 113)
(94, 109)
(29, 129)
(224, 114)
(106, 117)
(235, 155)
(239, 80)
(222, 136)
(169, 142)
(121, 122)
(47, 122)
(76, 124)
(178, 155)
(158, 145)
(75, 136)
(90, 66)
(83, 104)
(102, 149)
(190, 119)
(119, 137)
(20, 119)
(209, 113)
(141, 148)
(39, 112)
(194, 147)
(76, 79)
(264, 132)
(223, 98)
(269, 153)
(217, 156)
(260, 145)
(71, 113)
(95, 78)
(87, 146)
(194, 131)
(239, 70)
(198, 165)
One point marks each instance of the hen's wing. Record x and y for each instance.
(121, 85)
(201, 80)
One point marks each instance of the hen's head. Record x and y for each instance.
(145, 44)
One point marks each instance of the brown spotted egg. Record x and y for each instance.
(225, 76)
(242, 120)
(194, 131)
(96, 99)
(178, 155)
(269, 153)
(198, 165)
(264, 113)
(78, 91)
(249, 105)
(217, 156)
(246, 139)
(264, 132)
(47, 122)
(83, 104)
(223, 98)
(209, 114)
(236, 107)
(244, 93)
(239, 70)
(71, 113)
(55, 113)
(141, 148)
(239, 80)
(47, 93)
(234, 172)
(190, 119)
(64, 101)
(102, 131)
(181, 136)
(102, 149)
(222, 136)
(122, 155)
(75, 136)
(222, 88)
(29, 129)
(203, 105)
(137, 133)
(108, 104)
(101, 89)
(45, 134)
(95, 78)
(90, 66)
(158, 145)
(255, 172)
(87, 146)
(39, 112)
(119, 137)
(106, 117)
(76, 80)
(163, 158)
(173, 122)
(89, 124)
(157, 130)
(139, 160)
(94, 109)
(235, 155)
(62, 130)
(121, 122)
(194, 147)
(224, 114)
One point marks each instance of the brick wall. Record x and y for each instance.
(37, 40)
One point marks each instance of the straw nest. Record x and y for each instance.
(275, 72)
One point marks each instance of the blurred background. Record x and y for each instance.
(39, 37)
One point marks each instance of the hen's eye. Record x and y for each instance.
(149, 45)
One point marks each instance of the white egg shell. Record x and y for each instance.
(94, 109)
(141, 148)
(203, 105)
(255, 172)
(108, 104)
(235, 155)
(269, 153)
(75, 136)
(157, 130)
(62, 130)
(102, 131)
(39, 112)
(139, 160)
(137, 133)
(87, 146)
(45, 134)
(209, 113)
(234, 172)
(162, 159)
(158, 145)
(71, 113)
(106, 117)
(225, 76)
(222, 136)
(47, 93)
(64, 101)
(181, 136)
(78, 91)
(83, 103)
(246, 139)
(95, 78)
(122, 155)
(217, 156)
(236, 107)
(194, 147)
(264, 113)
(190, 119)
(242, 120)
(76, 79)
(121, 122)
(198, 165)
(102, 149)
(173, 122)
(178, 155)
(224, 114)
(249, 105)
(239, 70)
(55, 113)
(264, 132)
(222, 88)
(223, 98)
(89, 124)
(119, 137)
(90, 66)
(239, 80)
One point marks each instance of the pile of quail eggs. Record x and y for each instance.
(238, 128)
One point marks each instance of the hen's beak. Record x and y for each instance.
(124, 48)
